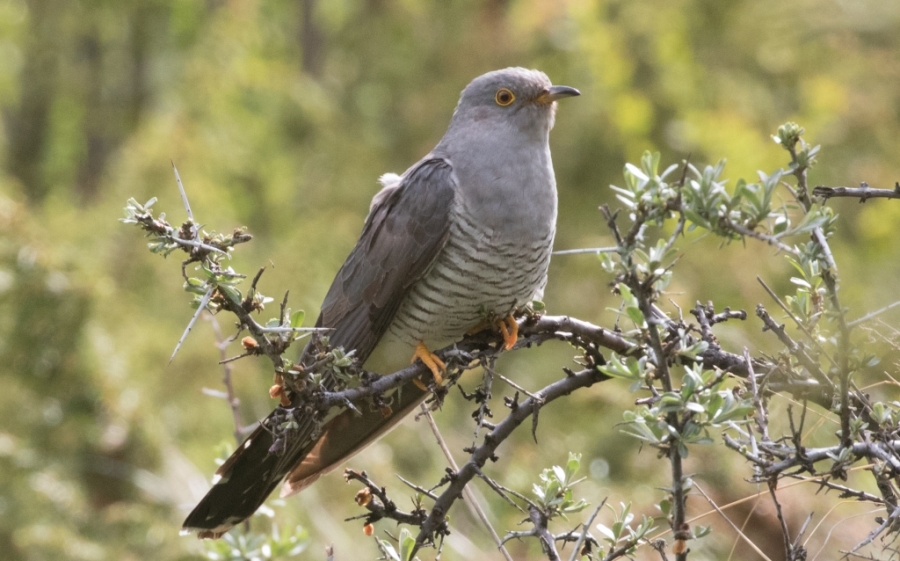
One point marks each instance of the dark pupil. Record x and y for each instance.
(504, 97)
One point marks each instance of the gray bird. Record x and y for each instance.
(467, 230)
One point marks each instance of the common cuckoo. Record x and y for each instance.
(466, 231)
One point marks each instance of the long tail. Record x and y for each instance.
(247, 478)
(243, 483)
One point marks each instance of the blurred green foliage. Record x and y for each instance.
(280, 116)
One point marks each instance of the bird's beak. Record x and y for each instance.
(556, 92)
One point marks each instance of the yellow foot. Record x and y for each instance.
(431, 360)
(509, 328)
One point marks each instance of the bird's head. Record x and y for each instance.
(513, 97)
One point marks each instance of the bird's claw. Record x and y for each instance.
(432, 361)
(509, 328)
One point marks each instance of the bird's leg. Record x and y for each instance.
(432, 361)
(510, 335)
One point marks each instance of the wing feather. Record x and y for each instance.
(403, 234)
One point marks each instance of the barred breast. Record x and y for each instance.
(477, 272)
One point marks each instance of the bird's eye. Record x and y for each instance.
(504, 97)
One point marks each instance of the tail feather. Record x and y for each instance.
(242, 484)
(250, 475)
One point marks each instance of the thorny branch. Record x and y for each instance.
(217, 290)
(374, 498)
(436, 523)
(866, 432)
(536, 330)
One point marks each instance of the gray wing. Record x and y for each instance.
(406, 229)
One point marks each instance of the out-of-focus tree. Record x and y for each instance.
(281, 115)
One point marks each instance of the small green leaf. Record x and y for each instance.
(407, 545)
(634, 314)
(573, 464)
(231, 293)
(665, 506)
(297, 318)
(560, 473)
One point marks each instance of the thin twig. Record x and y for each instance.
(863, 193)
(796, 321)
(890, 520)
(592, 250)
(584, 531)
(785, 533)
(307, 330)
(504, 492)
(761, 413)
(846, 492)
(184, 199)
(871, 315)
(471, 500)
(513, 384)
(771, 240)
(200, 245)
(802, 531)
(416, 488)
(732, 524)
(200, 309)
(230, 396)
(796, 350)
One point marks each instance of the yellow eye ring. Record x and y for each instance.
(504, 97)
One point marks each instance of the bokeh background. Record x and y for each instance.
(280, 116)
